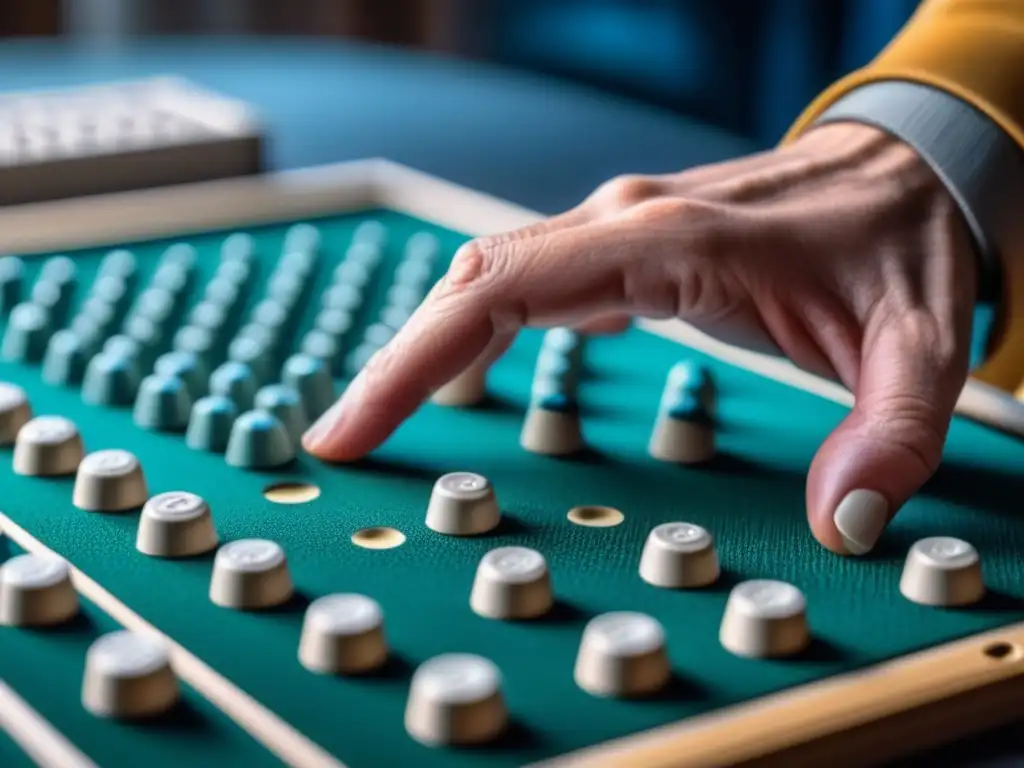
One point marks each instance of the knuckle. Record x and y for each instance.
(937, 340)
(673, 211)
(627, 190)
(474, 262)
(913, 424)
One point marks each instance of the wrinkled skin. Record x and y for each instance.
(841, 251)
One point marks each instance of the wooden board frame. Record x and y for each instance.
(861, 718)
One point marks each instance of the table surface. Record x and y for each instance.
(358, 102)
(514, 135)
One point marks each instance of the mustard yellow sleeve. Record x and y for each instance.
(971, 51)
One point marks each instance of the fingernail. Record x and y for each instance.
(861, 518)
(314, 436)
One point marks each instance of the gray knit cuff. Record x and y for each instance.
(980, 164)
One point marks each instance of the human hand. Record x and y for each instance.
(841, 251)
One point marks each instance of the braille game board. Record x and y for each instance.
(875, 660)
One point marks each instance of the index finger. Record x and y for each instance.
(493, 288)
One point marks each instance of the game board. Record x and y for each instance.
(881, 675)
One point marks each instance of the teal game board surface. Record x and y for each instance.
(750, 496)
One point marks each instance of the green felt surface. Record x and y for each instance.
(751, 497)
(45, 667)
(11, 755)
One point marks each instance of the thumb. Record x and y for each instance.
(891, 443)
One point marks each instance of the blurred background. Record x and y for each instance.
(746, 66)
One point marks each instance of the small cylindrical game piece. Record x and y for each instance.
(128, 677)
(351, 273)
(622, 654)
(52, 299)
(567, 342)
(28, 329)
(378, 334)
(163, 404)
(250, 574)
(312, 380)
(36, 591)
(684, 432)
(301, 237)
(343, 635)
(367, 254)
(298, 263)
(209, 425)
(12, 272)
(146, 333)
(322, 346)
(466, 389)
(15, 411)
(239, 246)
(422, 246)
(173, 278)
(679, 556)
(236, 382)
(224, 289)
(456, 699)
(942, 571)
(695, 378)
(257, 332)
(108, 296)
(395, 317)
(65, 359)
(119, 263)
(180, 255)
(252, 353)
(554, 371)
(371, 232)
(285, 404)
(764, 619)
(272, 315)
(60, 270)
(258, 441)
(344, 298)
(334, 322)
(176, 524)
(123, 345)
(286, 288)
(552, 426)
(463, 504)
(413, 272)
(186, 366)
(111, 379)
(230, 284)
(199, 341)
(404, 296)
(110, 481)
(512, 583)
(48, 446)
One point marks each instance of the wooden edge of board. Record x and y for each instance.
(901, 706)
(280, 738)
(36, 737)
(876, 698)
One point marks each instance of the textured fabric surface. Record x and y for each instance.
(751, 497)
(45, 667)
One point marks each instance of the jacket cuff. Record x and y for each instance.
(979, 163)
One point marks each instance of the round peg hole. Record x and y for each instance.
(379, 537)
(595, 516)
(1003, 651)
(291, 493)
